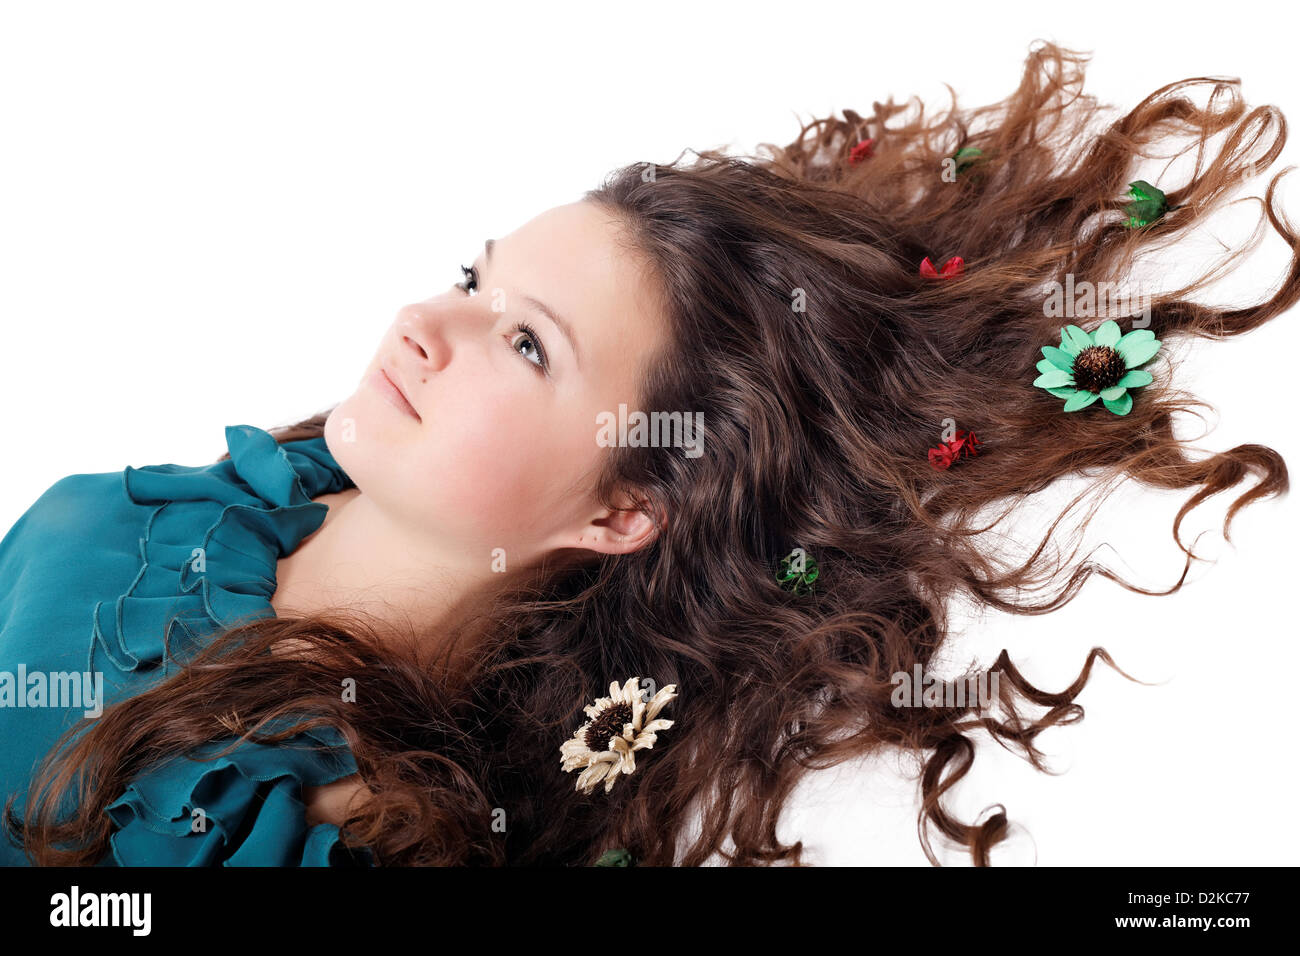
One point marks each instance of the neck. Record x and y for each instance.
(358, 560)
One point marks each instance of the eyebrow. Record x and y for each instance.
(542, 307)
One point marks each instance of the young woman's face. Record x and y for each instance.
(502, 446)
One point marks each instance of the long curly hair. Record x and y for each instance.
(824, 365)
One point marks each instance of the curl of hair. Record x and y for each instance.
(816, 426)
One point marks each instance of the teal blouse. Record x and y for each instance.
(97, 574)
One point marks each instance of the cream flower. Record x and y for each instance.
(620, 725)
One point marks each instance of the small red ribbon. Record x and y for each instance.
(963, 443)
(862, 150)
(952, 268)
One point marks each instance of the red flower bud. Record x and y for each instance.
(941, 457)
(861, 151)
(963, 442)
(952, 268)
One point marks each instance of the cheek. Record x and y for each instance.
(499, 467)
(493, 461)
(487, 468)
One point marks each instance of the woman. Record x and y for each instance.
(397, 625)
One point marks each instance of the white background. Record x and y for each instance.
(210, 212)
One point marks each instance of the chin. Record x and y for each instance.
(357, 435)
(343, 430)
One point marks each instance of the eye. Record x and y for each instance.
(470, 283)
(524, 332)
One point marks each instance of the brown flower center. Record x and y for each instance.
(608, 724)
(1098, 367)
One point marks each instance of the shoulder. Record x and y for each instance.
(80, 488)
(68, 505)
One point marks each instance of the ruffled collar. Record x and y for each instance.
(208, 550)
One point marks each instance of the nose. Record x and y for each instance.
(412, 343)
(421, 331)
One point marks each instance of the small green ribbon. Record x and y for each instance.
(615, 857)
(1147, 206)
(799, 581)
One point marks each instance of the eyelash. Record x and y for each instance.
(469, 285)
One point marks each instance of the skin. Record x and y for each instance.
(502, 457)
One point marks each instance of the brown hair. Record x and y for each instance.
(817, 424)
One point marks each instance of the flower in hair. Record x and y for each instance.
(963, 443)
(862, 150)
(619, 725)
(1101, 364)
(615, 857)
(951, 269)
(1147, 206)
(966, 157)
(798, 571)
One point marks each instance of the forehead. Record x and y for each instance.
(579, 259)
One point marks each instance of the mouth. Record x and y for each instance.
(387, 387)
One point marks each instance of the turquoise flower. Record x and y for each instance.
(1101, 364)
(798, 570)
(966, 158)
(1148, 204)
(616, 857)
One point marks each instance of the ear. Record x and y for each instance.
(620, 531)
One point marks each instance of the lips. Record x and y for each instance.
(396, 382)
(387, 384)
